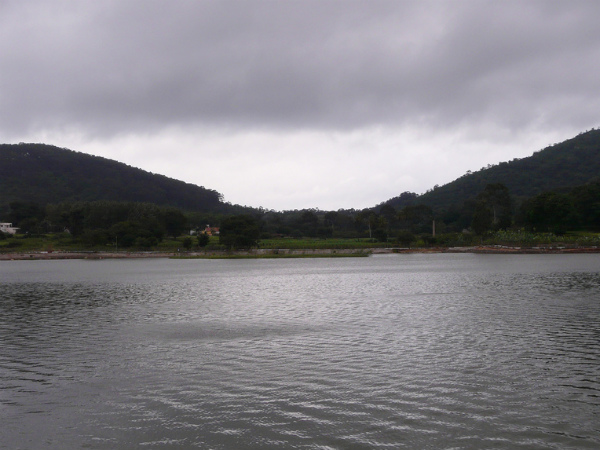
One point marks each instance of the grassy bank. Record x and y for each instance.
(315, 244)
(64, 242)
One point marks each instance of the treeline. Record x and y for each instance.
(144, 225)
(492, 209)
(378, 224)
(560, 211)
(124, 224)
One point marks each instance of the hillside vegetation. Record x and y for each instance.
(571, 163)
(46, 174)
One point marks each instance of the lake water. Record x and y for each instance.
(391, 351)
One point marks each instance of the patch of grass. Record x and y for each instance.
(313, 243)
(529, 239)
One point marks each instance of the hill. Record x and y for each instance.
(571, 163)
(47, 174)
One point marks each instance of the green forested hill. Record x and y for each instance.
(571, 163)
(46, 174)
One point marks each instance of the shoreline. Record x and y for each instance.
(287, 253)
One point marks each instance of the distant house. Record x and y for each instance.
(8, 228)
(211, 231)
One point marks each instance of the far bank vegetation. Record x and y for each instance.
(492, 216)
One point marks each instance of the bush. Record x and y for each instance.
(187, 243)
(146, 242)
(380, 235)
(428, 239)
(405, 238)
(203, 239)
(93, 238)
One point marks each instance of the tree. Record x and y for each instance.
(324, 232)
(331, 219)
(389, 213)
(403, 200)
(492, 209)
(239, 232)
(586, 200)
(380, 234)
(175, 222)
(361, 219)
(340, 222)
(308, 223)
(482, 218)
(75, 220)
(549, 211)
(187, 243)
(130, 233)
(416, 218)
(93, 238)
(203, 239)
(497, 198)
(26, 215)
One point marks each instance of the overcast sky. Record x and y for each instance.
(300, 104)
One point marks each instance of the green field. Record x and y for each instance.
(65, 242)
(310, 243)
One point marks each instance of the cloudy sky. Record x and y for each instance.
(300, 104)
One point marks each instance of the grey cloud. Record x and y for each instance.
(116, 66)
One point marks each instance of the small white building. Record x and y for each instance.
(8, 228)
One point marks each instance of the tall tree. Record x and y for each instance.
(239, 232)
(26, 215)
(417, 218)
(482, 218)
(492, 209)
(175, 222)
(550, 211)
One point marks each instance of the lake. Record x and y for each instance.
(437, 351)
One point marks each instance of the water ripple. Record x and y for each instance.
(435, 351)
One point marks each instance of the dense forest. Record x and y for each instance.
(493, 208)
(144, 225)
(127, 224)
(571, 163)
(46, 174)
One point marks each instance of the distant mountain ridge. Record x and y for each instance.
(571, 163)
(47, 174)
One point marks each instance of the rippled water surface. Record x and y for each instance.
(397, 351)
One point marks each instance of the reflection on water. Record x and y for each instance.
(399, 351)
